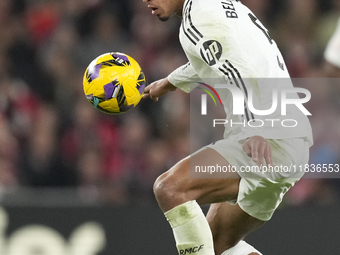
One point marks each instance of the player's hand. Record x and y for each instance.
(157, 89)
(258, 149)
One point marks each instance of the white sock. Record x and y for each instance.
(241, 248)
(191, 229)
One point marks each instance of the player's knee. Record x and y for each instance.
(163, 188)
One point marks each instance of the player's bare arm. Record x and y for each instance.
(158, 88)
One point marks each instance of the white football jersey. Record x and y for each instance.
(226, 44)
(332, 52)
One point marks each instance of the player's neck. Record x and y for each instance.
(181, 5)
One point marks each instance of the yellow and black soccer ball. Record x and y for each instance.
(114, 83)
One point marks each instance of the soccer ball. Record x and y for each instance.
(114, 83)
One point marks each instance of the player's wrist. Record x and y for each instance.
(168, 85)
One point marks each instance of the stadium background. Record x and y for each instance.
(65, 166)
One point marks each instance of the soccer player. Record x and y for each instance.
(223, 40)
(332, 55)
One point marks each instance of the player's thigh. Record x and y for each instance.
(180, 183)
(230, 224)
(210, 178)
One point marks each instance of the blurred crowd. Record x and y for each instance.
(50, 136)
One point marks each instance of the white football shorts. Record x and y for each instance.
(261, 190)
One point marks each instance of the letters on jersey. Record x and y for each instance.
(230, 9)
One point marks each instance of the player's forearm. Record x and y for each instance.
(158, 88)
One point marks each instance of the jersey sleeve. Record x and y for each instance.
(182, 78)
